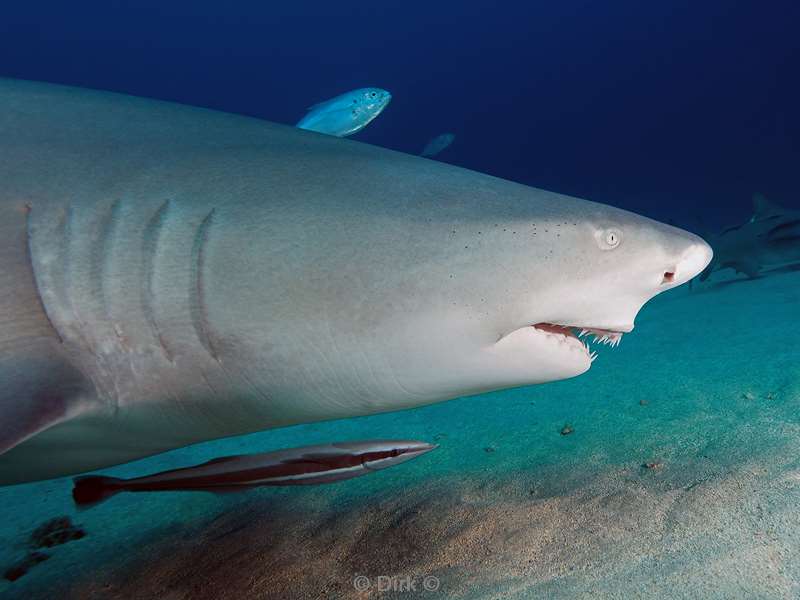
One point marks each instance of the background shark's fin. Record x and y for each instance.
(747, 266)
(763, 208)
(785, 232)
(36, 394)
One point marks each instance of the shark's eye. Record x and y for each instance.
(609, 238)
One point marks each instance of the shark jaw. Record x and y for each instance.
(580, 337)
(544, 351)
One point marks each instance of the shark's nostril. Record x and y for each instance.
(669, 277)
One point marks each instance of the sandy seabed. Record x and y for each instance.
(706, 391)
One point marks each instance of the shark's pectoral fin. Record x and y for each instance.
(748, 267)
(35, 395)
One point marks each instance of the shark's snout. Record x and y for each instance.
(691, 263)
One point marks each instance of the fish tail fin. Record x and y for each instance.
(94, 489)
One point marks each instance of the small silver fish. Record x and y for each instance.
(346, 114)
(307, 465)
(437, 144)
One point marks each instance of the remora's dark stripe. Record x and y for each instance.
(304, 465)
(150, 247)
(197, 292)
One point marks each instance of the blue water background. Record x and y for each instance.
(679, 110)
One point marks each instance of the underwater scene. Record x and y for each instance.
(459, 300)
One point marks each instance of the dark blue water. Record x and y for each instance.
(680, 110)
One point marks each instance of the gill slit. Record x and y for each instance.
(34, 271)
(150, 249)
(102, 257)
(197, 292)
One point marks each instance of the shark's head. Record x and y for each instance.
(609, 264)
(425, 282)
(518, 295)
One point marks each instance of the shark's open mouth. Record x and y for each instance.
(595, 334)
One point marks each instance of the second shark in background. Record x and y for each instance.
(771, 238)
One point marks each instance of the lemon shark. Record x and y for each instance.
(170, 275)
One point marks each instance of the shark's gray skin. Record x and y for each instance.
(770, 238)
(170, 275)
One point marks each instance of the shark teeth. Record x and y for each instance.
(599, 336)
(587, 336)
